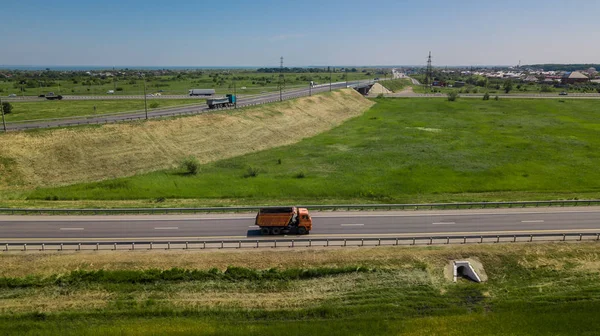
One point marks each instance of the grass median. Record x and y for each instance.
(533, 289)
(400, 151)
(49, 109)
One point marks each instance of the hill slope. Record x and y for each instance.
(70, 155)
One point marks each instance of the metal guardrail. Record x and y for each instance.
(347, 207)
(293, 243)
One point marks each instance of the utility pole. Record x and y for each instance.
(329, 79)
(281, 79)
(145, 102)
(2, 109)
(309, 88)
(234, 94)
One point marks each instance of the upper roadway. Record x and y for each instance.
(201, 107)
(325, 225)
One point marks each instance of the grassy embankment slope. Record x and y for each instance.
(70, 155)
(401, 150)
(48, 109)
(396, 85)
(536, 289)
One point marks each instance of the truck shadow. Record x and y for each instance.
(253, 233)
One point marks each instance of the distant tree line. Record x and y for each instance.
(564, 67)
(305, 70)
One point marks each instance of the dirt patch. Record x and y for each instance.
(71, 155)
(378, 89)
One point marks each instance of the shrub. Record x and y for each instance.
(496, 98)
(119, 89)
(251, 172)
(190, 165)
(154, 105)
(486, 96)
(301, 174)
(546, 88)
(452, 96)
(278, 161)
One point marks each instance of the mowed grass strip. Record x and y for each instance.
(49, 109)
(70, 155)
(532, 289)
(401, 150)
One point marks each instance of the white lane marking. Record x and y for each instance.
(533, 221)
(71, 229)
(253, 226)
(167, 228)
(460, 214)
(443, 223)
(99, 218)
(352, 224)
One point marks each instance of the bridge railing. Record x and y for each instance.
(192, 243)
(330, 207)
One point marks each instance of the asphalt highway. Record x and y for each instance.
(325, 224)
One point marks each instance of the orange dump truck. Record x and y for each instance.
(283, 220)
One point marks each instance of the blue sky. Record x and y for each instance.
(257, 33)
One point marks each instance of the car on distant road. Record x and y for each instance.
(110, 92)
(12, 95)
(563, 93)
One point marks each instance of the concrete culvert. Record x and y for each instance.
(469, 269)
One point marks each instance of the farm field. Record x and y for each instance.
(537, 289)
(62, 109)
(400, 151)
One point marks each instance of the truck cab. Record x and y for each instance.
(304, 219)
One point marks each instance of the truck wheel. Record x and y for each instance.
(275, 231)
(301, 230)
(264, 231)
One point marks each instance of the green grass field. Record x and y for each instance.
(253, 83)
(401, 150)
(537, 289)
(69, 108)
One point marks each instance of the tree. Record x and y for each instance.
(508, 85)
(486, 96)
(7, 107)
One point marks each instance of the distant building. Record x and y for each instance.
(592, 72)
(574, 77)
(531, 78)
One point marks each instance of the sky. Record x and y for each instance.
(304, 32)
